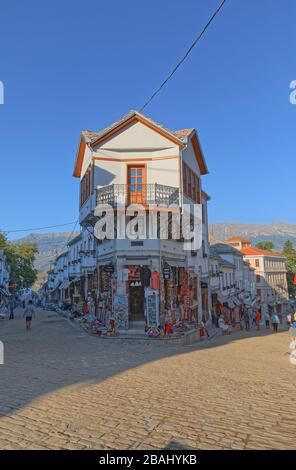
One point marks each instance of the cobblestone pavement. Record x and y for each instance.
(63, 389)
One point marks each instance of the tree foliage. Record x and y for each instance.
(290, 253)
(265, 245)
(21, 260)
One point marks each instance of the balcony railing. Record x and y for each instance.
(145, 194)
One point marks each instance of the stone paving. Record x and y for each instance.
(63, 389)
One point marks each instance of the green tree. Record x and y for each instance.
(21, 260)
(265, 245)
(290, 253)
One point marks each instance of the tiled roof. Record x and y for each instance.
(224, 248)
(238, 239)
(181, 135)
(90, 135)
(250, 251)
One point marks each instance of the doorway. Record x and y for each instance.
(136, 301)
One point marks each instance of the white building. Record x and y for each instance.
(271, 275)
(137, 161)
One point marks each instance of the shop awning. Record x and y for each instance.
(136, 262)
(4, 292)
(236, 301)
(56, 288)
(176, 263)
(105, 262)
(65, 284)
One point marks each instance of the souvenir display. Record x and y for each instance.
(120, 305)
(152, 307)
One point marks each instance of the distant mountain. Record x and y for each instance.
(277, 232)
(49, 245)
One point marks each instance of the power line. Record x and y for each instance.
(185, 56)
(37, 228)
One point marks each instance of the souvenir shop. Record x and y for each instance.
(161, 300)
(180, 294)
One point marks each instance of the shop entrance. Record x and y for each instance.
(136, 300)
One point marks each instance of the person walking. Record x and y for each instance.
(29, 313)
(247, 320)
(12, 306)
(253, 318)
(258, 319)
(267, 320)
(289, 320)
(275, 322)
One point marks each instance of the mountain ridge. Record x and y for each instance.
(278, 232)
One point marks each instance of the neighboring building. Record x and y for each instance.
(222, 283)
(137, 161)
(227, 280)
(249, 280)
(58, 278)
(75, 248)
(4, 275)
(271, 275)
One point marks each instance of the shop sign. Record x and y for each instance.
(109, 268)
(166, 273)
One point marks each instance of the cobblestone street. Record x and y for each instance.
(63, 389)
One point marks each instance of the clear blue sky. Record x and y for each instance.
(72, 65)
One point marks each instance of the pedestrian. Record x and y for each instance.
(247, 319)
(253, 317)
(258, 319)
(289, 320)
(275, 322)
(12, 305)
(29, 313)
(85, 309)
(267, 320)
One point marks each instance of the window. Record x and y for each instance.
(258, 279)
(257, 263)
(191, 184)
(85, 187)
(184, 179)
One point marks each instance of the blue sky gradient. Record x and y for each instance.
(68, 66)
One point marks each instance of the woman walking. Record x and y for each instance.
(29, 313)
(275, 322)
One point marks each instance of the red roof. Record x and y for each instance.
(250, 251)
(237, 239)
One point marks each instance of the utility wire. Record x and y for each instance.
(185, 56)
(37, 228)
(65, 244)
